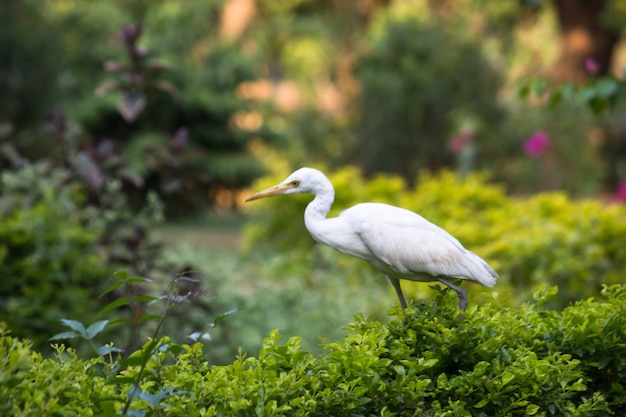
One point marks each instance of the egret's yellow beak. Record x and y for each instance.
(268, 192)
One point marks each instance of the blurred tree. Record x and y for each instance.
(29, 66)
(416, 93)
(584, 36)
(178, 121)
(590, 32)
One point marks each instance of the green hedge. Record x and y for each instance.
(544, 239)
(494, 362)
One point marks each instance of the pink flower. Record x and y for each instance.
(620, 193)
(457, 143)
(591, 65)
(536, 144)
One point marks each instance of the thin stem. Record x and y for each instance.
(154, 337)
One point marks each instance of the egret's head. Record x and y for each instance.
(304, 180)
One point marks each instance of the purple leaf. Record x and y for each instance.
(180, 138)
(131, 105)
(88, 170)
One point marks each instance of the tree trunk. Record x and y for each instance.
(583, 37)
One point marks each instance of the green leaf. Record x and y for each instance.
(579, 386)
(545, 293)
(507, 377)
(149, 398)
(224, 315)
(115, 304)
(111, 287)
(524, 90)
(150, 317)
(123, 380)
(539, 87)
(74, 325)
(480, 368)
(65, 335)
(95, 328)
(138, 280)
(555, 98)
(481, 403)
(144, 298)
(121, 275)
(532, 409)
(105, 350)
(136, 359)
(442, 381)
(597, 105)
(120, 321)
(606, 87)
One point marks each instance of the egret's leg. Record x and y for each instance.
(460, 291)
(396, 286)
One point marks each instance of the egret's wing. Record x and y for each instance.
(409, 245)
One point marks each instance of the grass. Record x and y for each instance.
(216, 231)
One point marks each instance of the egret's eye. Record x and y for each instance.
(295, 183)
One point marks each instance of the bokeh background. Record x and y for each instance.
(131, 132)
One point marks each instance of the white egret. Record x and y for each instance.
(398, 242)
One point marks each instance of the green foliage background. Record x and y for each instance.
(411, 76)
(48, 270)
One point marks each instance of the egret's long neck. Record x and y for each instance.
(317, 210)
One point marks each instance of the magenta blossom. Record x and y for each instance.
(457, 143)
(536, 144)
(591, 65)
(620, 193)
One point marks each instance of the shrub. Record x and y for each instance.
(545, 239)
(526, 361)
(58, 249)
(49, 259)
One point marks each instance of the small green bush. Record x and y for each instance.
(49, 258)
(58, 248)
(545, 239)
(494, 362)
